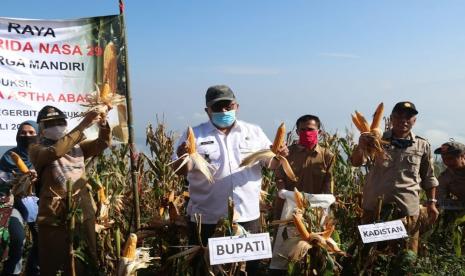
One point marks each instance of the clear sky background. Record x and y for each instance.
(284, 59)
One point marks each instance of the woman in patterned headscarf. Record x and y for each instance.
(25, 205)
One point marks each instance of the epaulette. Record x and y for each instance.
(421, 138)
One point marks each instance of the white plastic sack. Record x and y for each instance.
(316, 201)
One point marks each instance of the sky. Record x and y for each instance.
(284, 59)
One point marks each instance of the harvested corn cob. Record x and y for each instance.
(373, 130)
(129, 250)
(133, 258)
(102, 198)
(323, 239)
(105, 93)
(299, 199)
(363, 122)
(356, 122)
(272, 153)
(377, 117)
(301, 228)
(19, 162)
(102, 100)
(279, 138)
(110, 66)
(192, 155)
(22, 184)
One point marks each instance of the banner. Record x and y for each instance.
(60, 63)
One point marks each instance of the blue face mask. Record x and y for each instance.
(223, 119)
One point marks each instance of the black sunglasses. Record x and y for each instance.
(222, 105)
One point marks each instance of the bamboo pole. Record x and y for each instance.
(71, 226)
(132, 146)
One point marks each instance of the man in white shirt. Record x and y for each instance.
(224, 141)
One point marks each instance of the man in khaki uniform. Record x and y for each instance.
(399, 176)
(59, 158)
(311, 163)
(452, 180)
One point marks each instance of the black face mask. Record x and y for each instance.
(401, 143)
(25, 141)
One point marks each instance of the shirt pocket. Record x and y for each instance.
(412, 162)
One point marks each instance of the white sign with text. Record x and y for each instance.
(383, 231)
(239, 248)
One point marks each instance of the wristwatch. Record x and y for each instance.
(431, 200)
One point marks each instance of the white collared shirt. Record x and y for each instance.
(225, 153)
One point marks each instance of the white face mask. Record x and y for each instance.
(55, 132)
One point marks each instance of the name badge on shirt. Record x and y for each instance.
(206, 143)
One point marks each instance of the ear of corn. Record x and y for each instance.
(110, 66)
(377, 117)
(198, 161)
(19, 162)
(374, 149)
(191, 147)
(357, 124)
(105, 93)
(364, 123)
(129, 250)
(299, 199)
(102, 198)
(279, 138)
(266, 154)
(300, 226)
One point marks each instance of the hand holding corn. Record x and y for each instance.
(283, 150)
(277, 154)
(370, 141)
(182, 149)
(23, 187)
(89, 119)
(187, 152)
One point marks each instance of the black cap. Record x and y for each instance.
(49, 112)
(405, 106)
(450, 147)
(218, 93)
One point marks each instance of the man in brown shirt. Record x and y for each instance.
(311, 163)
(452, 180)
(399, 175)
(59, 158)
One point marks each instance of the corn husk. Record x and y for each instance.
(193, 156)
(267, 154)
(142, 259)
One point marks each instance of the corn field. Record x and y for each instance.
(163, 201)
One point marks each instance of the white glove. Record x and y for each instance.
(282, 193)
